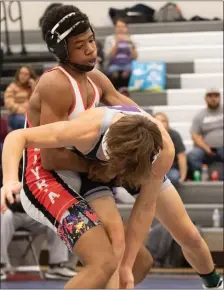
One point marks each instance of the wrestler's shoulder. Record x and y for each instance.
(53, 78)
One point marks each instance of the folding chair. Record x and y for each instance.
(22, 234)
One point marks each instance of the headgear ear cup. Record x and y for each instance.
(50, 41)
(57, 44)
(59, 49)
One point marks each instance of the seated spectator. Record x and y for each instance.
(178, 171)
(207, 133)
(16, 218)
(120, 51)
(17, 94)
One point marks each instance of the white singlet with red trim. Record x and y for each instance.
(78, 105)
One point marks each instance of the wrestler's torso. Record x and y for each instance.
(77, 96)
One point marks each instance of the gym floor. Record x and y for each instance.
(148, 283)
(163, 279)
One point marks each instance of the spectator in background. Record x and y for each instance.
(120, 51)
(17, 94)
(178, 171)
(207, 133)
(16, 218)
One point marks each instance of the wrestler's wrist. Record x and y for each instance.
(7, 181)
(126, 265)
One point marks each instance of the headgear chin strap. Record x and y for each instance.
(57, 44)
(81, 67)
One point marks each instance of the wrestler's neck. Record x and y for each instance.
(75, 73)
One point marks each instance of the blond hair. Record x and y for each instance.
(132, 143)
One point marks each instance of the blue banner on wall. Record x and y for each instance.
(148, 76)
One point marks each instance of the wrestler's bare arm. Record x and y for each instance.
(55, 135)
(143, 211)
(166, 156)
(56, 97)
(110, 96)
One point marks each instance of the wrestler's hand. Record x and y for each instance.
(126, 278)
(98, 172)
(7, 191)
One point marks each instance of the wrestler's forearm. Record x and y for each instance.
(140, 220)
(62, 159)
(13, 147)
(144, 208)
